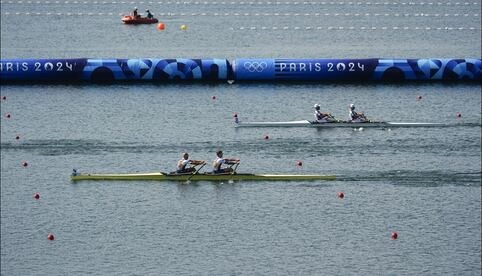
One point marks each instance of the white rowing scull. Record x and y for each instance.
(306, 123)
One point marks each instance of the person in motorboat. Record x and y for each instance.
(220, 160)
(135, 14)
(149, 14)
(182, 165)
(357, 117)
(322, 117)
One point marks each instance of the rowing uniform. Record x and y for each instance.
(217, 163)
(181, 166)
(356, 118)
(319, 117)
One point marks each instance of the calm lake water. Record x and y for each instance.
(423, 183)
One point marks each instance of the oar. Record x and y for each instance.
(333, 117)
(196, 172)
(235, 167)
(366, 119)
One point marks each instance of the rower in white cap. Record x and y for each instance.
(356, 117)
(322, 117)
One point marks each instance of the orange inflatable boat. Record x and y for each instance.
(129, 19)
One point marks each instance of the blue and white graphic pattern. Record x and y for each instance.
(217, 70)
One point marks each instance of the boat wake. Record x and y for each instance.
(419, 178)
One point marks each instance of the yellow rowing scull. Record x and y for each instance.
(200, 177)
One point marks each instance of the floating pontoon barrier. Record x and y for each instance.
(112, 70)
(357, 70)
(217, 70)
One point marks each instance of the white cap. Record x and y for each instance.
(135, 8)
(316, 106)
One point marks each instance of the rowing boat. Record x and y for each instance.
(160, 176)
(306, 123)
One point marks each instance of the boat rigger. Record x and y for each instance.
(160, 176)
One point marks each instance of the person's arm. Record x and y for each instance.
(231, 160)
(197, 162)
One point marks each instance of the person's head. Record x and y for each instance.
(147, 10)
(317, 106)
(135, 8)
(219, 153)
(352, 106)
(185, 155)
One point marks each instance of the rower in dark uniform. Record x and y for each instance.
(356, 117)
(322, 117)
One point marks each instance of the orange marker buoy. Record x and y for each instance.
(50, 237)
(25, 164)
(161, 26)
(458, 115)
(394, 235)
(36, 196)
(341, 195)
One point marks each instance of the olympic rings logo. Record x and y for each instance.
(254, 66)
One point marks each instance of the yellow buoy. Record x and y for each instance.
(183, 27)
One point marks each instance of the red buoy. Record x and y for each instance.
(25, 164)
(50, 237)
(394, 235)
(161, 26)
(458, 115)
(341, 195)
(36, 196)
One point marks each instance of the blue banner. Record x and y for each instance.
(242, 69)
(112, 70)
(357, 70)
